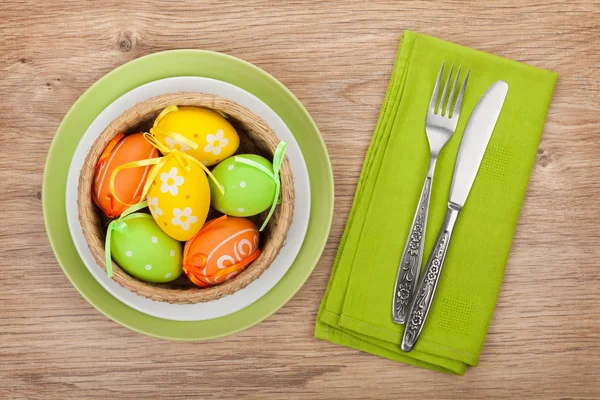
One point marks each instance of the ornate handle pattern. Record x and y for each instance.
(412, 256)
(431, 275)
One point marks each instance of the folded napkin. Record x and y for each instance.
(357, 307)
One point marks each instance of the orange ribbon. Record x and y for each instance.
(194, 264)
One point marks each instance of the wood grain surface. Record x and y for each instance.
(544, 340)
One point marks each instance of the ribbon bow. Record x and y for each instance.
(183, 159)
(174, 135)
(120, 226)
(277, 161)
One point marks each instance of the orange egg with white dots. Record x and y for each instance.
(221, 250)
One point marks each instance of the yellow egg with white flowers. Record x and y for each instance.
(202, 133)
(179, 196)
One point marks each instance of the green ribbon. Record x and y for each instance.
(120, 226)
(277, 160)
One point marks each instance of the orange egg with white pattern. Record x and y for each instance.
(221, 250)
(128, 183)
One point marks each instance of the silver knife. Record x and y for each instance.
(470, 153)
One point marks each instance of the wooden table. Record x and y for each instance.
(544, 340)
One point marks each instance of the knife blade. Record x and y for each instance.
(474, 142)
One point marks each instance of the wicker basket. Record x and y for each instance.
(255, 137)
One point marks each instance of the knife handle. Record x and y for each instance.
(412, 257)
(429, 281)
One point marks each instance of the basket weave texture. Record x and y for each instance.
(255, 137)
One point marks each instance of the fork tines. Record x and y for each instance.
(439, 109)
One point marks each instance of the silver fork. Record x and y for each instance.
(440, 126)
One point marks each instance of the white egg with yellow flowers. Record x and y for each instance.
(202, 133)
(179, 196)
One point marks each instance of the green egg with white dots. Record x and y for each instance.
(144, 251)
(248, 190)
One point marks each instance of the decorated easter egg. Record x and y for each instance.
(144, 251)
(247, 190)
(221, 250)
(128, 183)
(179, 197)
(214, 137)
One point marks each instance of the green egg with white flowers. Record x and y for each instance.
(248, 190)
(144, 251)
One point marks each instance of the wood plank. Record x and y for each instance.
(544, 340)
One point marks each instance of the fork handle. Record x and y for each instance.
(412, 256)
(429, 281)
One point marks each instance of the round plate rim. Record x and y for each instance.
(89, 295)
(242, 298)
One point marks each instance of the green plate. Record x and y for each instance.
(187, 63)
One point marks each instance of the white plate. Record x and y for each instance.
(283, 261)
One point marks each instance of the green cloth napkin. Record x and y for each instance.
(356, 309)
